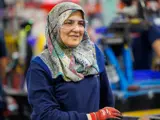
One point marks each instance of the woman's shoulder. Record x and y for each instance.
(38, 64)
(100, 58)
(98, 51)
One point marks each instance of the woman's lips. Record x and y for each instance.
(75, 36)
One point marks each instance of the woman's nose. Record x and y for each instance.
(76, 28)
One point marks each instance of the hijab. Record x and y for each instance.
(73, 64)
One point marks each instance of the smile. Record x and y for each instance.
(75, 36)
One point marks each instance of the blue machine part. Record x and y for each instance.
(146, 77)
(129, 77)
(139, 77)
(146, 74)
(104, 31)
(128, 64)
(123, 81)
(101, 30)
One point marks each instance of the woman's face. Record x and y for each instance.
(72, 30)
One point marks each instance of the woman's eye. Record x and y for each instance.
(82, 23)
(68, 22)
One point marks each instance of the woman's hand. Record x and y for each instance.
(105, 113)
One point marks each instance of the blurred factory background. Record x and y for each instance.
(121, 29)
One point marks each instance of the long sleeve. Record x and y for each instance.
(42, 100)
(106, 96)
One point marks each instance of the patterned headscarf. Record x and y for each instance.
(82, 60)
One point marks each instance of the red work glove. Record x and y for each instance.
(105, 113)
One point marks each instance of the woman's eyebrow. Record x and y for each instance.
(75, 19)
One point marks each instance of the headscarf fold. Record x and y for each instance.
(71, 63)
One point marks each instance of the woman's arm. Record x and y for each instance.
(42, 100)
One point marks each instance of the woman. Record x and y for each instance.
(67, 81)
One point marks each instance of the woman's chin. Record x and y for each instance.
(73, 45)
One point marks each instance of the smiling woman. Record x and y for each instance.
(68, 81)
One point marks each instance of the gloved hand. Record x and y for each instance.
(105, 113)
